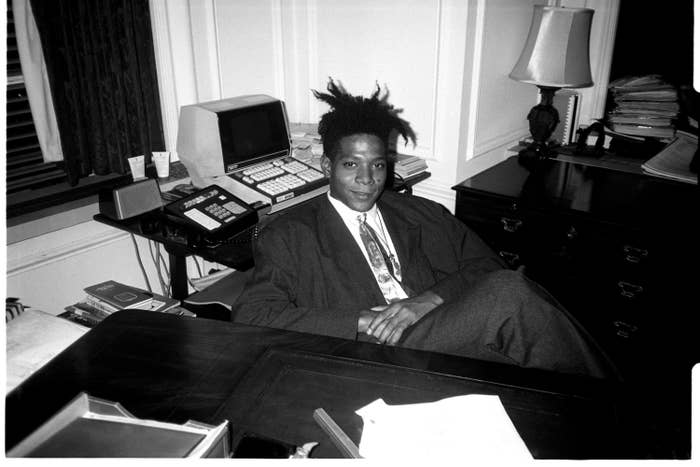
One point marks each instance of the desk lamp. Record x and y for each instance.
(555, 56)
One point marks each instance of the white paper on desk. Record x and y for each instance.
(469, 427)
(34, 338)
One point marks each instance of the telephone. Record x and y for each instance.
(212, 214)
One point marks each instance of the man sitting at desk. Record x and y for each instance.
(368, 264)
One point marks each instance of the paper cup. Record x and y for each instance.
(162, 163)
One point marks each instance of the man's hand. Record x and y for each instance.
(390, 321)
(366, 317)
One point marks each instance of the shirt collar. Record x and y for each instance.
(350, 215)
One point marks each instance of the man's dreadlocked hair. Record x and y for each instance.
(350, 115)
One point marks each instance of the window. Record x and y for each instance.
(26, 169)
(654, 40)
(33, 186)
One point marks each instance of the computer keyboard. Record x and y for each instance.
(258, 174)
(280, 176)
(281, 184)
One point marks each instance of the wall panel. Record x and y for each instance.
(503, 103)
(392, 43)
(249, 43)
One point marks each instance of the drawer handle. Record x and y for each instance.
(511, 225)
(625, 330)
(629, 290)
(511, 258)
(633, 254)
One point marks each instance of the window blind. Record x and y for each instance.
(25, 164)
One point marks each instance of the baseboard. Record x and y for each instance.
(436, 192)
(501, 141)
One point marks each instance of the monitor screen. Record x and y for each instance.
(252, 134)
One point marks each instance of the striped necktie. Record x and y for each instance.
(385, 267)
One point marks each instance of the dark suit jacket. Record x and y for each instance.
(311, 276)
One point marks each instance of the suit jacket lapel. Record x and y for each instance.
(338, 245)
(406, 238)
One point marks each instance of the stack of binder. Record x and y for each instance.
(643, 106)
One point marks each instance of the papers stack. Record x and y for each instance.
(306, 144)
(407, 166)
(458, 428)
(674, 160)
(32, 339)
(643, 106)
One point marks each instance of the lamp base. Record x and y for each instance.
(537, 151)
(543, 119)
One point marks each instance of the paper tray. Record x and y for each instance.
(92, 427)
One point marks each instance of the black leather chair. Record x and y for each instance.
(215, 301)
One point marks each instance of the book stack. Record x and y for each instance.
(643, 106)
(407, 166)
(103, 299)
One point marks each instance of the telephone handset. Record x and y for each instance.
(214, 212)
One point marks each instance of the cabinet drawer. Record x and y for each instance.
(506, 229)
(509, 246)
(622, 261)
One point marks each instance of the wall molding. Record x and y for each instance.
(474, 76)
(501, 140)
(164, 66)
(278, 48)
(436, 191)
(62, 251)
(217, 55)
(205, 50)
(431, 149)
(606, 47)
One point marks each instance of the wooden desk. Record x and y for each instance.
(268, 381)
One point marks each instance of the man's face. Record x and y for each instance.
(358, 171)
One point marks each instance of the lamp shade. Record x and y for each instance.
(556, 50)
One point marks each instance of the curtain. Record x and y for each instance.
(101, 68)
(36, 81)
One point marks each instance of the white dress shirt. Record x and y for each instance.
(374, 220)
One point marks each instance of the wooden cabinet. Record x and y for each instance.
(618, 249)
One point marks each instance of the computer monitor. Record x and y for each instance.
(217, 137)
